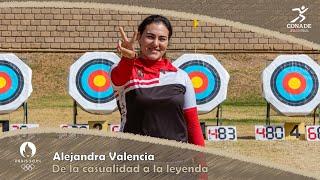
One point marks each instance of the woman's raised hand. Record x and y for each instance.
(126, 47)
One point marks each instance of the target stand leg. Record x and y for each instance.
(268, 114)
(203, 129)
(25, 112)
(5, 125)
(75, 112)
(318, 114)
(219, 115)
(314, 115)
(317, 109)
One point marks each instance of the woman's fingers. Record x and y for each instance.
(125, 52)
(128, 53)
(119, 46)
(123, 35)
(126, 47)
(134, 38)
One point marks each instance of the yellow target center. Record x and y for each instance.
(294, 83)
(99, 80)
(197, 82)
(3, 82)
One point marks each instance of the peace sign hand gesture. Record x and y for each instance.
(126, 47)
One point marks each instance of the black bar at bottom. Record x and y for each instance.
(203, 129)
(5, 125)
(75, 112)
(268, 114)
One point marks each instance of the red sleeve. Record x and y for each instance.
(122, 72)
(194, 130)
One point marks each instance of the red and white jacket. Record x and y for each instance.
(156, 99)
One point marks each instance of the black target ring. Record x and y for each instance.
(282, 93)
(82, 79)
(11, 73)
(209, 77)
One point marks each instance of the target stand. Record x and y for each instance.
(75, 112)
(291, 87)
(210, 81)
(25, 112)
(219, 115)
(314, 114)
(5, 123)
(90, 83)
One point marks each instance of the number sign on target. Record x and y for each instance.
(75, 126)
(269, 132)
(313, 133)
(221, 133)
(23, 126)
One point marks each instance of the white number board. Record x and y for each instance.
(114, 127)
(22, 126)
(269, 132)
(313, 133)
(221, 133)
(76, 126)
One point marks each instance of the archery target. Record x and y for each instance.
(291, 84)
(15, 83)
(90, 83)
(209, 79)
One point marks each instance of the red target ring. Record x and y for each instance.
(294, 83)
(5, 82)
(99, 80)
(199, 77)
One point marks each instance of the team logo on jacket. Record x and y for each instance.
(140, 73)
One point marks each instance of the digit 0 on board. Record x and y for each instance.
(269, 133)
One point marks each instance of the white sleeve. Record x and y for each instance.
(189, 96)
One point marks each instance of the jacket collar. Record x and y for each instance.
(162, 64)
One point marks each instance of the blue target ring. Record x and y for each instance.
(213, 82)
(83, 81)
(283, 93)
(289, 96)
(11, 82)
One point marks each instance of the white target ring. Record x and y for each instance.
(15, 83)
(209, 79)
(90, 83)
(291, 84)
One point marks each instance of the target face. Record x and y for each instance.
(293, 84)
(93, 81)
(90, 83)
(11, 82)
(205, 80)
(15, 82)
(209, 79)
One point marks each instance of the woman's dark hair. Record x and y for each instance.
(155, 19)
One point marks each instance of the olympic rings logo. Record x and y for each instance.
(27, 167)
